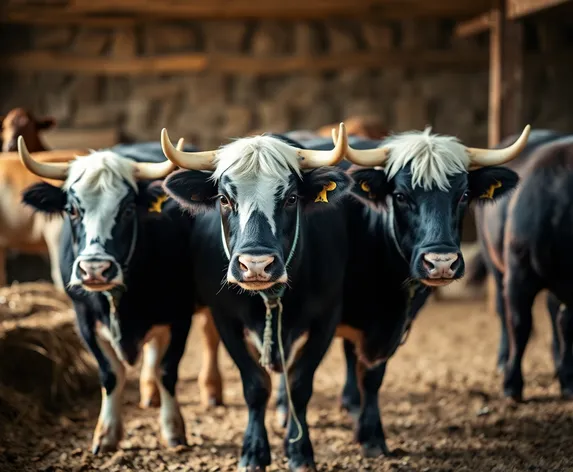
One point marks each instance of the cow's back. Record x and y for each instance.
(491, 219)
(540, 217)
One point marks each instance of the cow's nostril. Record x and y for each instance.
(428, 265)
(243, 267)
(456, 264)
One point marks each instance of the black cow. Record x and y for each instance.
(404, 225)
(270, 266)
(120, 259)
(524, 244)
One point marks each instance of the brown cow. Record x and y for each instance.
(20, 227)
(21, 122)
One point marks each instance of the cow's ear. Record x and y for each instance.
(46, 123)
(324, 187)
(45, 198)
(489, 183)
(370, 185)
(192, 189)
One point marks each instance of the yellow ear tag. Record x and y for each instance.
(489, 193)
(157, 204)
(322, 195)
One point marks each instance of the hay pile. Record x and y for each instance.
(43, 363)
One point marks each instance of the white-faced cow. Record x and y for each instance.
(404, 225)
(269, 255)
(120, 258)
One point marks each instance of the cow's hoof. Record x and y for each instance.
(376, 449)
(281, 417)
(101, 447)
(176, 443)
(567, 393)
(304, 468)
(513, 396)
(149, 395)
(107, 437)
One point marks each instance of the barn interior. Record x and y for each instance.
(119, 71)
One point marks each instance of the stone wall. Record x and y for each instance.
(209, 107)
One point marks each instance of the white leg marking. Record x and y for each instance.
(109, 429)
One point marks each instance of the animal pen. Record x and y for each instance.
(111, 72)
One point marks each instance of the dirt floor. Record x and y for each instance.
(441, 407)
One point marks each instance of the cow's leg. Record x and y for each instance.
(282, 403)
(210, 381)
(562, 322)
(503, 350)
(256, 453)
(521, 288)
(173, 341)
(109, 429)
(553, 307)
(3, 274)
(369, 431)
(148, 388)
(350, 393)
(300, 377)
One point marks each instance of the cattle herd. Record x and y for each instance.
(285, 241)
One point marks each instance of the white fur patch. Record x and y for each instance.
(99, 183)
(258, 167)
(432, 158)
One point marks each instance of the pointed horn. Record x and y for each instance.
(188, 160)
(154, 170)
(309, 158)
(364, 157)
(496, 157)
(54, 171)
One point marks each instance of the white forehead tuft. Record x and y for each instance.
(432, 158)
(263, 156)
(101, 171)
(259, 167)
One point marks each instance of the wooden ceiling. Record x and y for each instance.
(113, 11)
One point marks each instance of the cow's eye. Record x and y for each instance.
(128, 212)
(292, 200)
(400, 197)
(465, 196)
(224, 201)
(73, 212)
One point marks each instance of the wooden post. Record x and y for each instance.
(495, 72)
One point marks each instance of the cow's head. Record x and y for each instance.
(261, 186)
(423, 184)
(21, 122)
(103, 201)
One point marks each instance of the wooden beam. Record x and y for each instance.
(515, 9)
(495, 64)
(239, 64)
(60, 138)
(512, 79)
(75, 10)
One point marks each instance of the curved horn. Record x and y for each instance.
(156, 170)
(364, 157)
(309, 158)
(54, 171)
(496, 157)
(188, 160)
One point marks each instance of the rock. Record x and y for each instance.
(342, 37)
(378, 35)
(270, 39)
(169, 38)
(52, 37)
(224, 36)
(91, 42)
(237, 121)
(306, 39)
